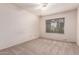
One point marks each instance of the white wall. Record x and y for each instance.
(77, 27)
(16, 26)
(69, 28)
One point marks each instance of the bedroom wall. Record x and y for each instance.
(69, 26)
(77, 27)
(16, 26)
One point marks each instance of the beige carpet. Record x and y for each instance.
(42, 47)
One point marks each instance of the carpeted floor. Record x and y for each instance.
(42, 47)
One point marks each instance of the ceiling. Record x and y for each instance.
(51, 8)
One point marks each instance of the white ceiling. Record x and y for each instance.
(50, 9)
